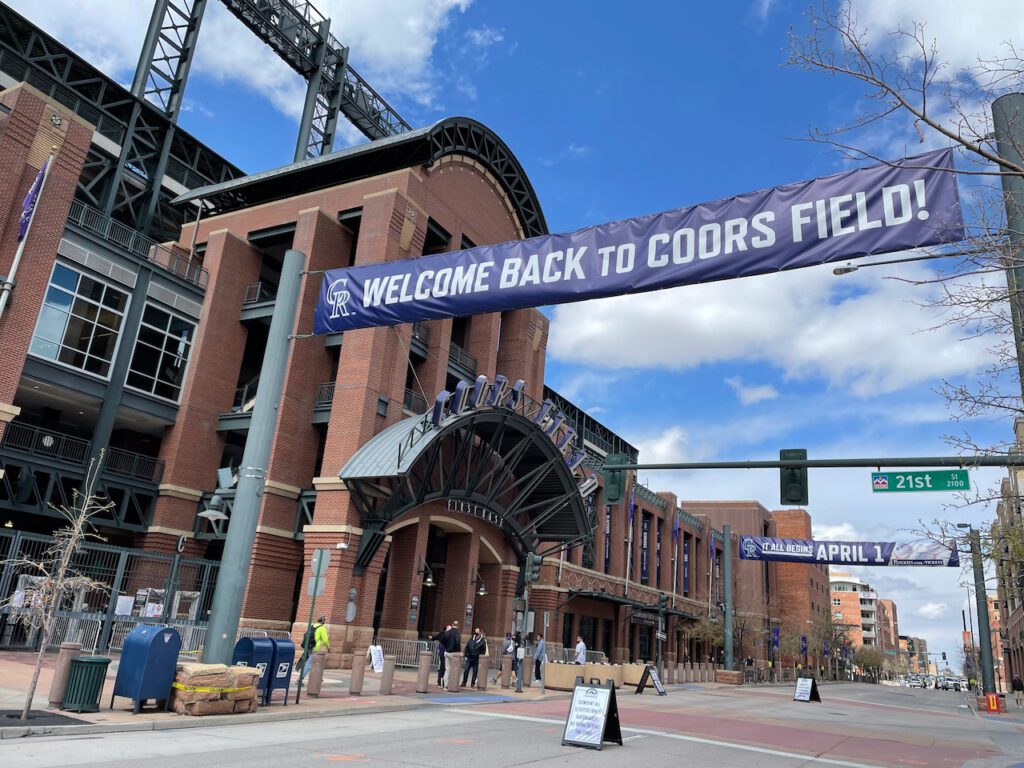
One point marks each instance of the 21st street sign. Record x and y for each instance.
(932, 480)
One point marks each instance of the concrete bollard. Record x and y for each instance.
(527, 670)
(423, 673)
(485, 670)
(68, 651)
(355, 683)
(387, 676)
(506, 671)
(454, 661)
(315, 681)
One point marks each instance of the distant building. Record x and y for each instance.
(855, 604)
(1010, 572)
(803, 589)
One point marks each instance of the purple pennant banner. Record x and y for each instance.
(847, 552)
(879, 209)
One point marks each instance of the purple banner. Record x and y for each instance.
(927, 553)
(879, 209)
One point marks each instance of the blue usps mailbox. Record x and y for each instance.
(255, 652)
(149, 659)
(279, 677)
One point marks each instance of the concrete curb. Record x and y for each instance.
(275, 716)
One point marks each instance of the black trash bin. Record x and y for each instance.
(85, 683)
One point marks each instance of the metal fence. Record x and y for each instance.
(141, 587)
(406, 652)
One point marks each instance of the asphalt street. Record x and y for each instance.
(855, 725)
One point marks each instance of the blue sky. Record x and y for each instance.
(617, 110)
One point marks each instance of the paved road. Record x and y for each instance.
(854, 726)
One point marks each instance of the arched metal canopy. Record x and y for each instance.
(424, 146)
(497, 461)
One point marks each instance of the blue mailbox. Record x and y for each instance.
(149, 659)
(279, 678)
(255, 652)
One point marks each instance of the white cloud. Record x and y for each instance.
(931, 610)
(862, 333)
(485, 37)
(838, 532)
(751, 394)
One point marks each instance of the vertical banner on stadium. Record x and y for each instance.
(775, 639)
(607, 539)
(645, 527)
(879, 209)
(686, 565)
(803, 647)
(657, 561)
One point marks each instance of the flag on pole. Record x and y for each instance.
(631, 508)
(28, 206)
(675, 527)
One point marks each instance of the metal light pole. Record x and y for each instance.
(234, 565)
(1007, 114)
(727, 576)
(980, 591)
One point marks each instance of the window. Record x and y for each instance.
(161, 353)
(79, 322)
(836, 601)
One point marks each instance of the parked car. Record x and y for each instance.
(915, 682)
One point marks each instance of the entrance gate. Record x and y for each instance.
(143, 588)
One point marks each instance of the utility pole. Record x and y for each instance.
(727, 576)
(984, 638)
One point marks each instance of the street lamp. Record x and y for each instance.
(980, 591)
(849, 267)
(429, 581)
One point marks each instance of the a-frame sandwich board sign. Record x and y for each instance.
(593, 715)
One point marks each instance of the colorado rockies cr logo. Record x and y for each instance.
(750, 550)
(338, 297)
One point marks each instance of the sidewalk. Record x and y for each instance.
(16, 673)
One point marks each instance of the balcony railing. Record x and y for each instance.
(324, 395)
(245, 396)
(134, 465)
(258, 292)
(462, 358)
(414, 403)
(43, 442)
(138, 244)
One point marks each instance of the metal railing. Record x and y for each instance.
(257, 292)
(413, 402)
(593, 657)
(66, 628)
(245, 396)
(462, 358)
(44, 442)
(324, 395)
(406, 652)
(115, 232)
(135, 465)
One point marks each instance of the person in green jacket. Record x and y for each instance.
(321, 640)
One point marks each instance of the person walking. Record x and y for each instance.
(476, 647)
(581, 650)
(321, 641)
(508, 648)
(540, 656)
(517, 663)
(1017, 686)
(441, 639)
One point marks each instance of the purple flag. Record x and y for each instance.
(631, 508)
(28, 207)
(675, 527)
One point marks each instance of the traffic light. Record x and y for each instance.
(614, 479)
(663, 600)
(910, 647)
(533, 563)
(793, 480)
(943, 655)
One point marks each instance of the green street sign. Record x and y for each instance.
(930, 480)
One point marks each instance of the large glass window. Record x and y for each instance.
(79, 322)
(161, 353)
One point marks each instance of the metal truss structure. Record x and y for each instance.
(138, 153)
(502, 465)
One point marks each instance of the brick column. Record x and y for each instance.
(408, 548)
(460, 567)
(521, 349)
(192, 447)
(27, 137)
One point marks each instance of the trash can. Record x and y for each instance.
(85, 684)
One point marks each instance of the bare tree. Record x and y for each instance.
(53, 579)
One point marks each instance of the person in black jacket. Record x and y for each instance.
(476, 647)
(452, 643)
(441, 638)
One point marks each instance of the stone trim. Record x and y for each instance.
(328, 483)
(282, 489)
(169, 531)
(179, 492)
(8, 412)
(332, 529)
(280, 533)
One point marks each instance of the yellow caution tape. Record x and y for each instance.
(208, 689)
